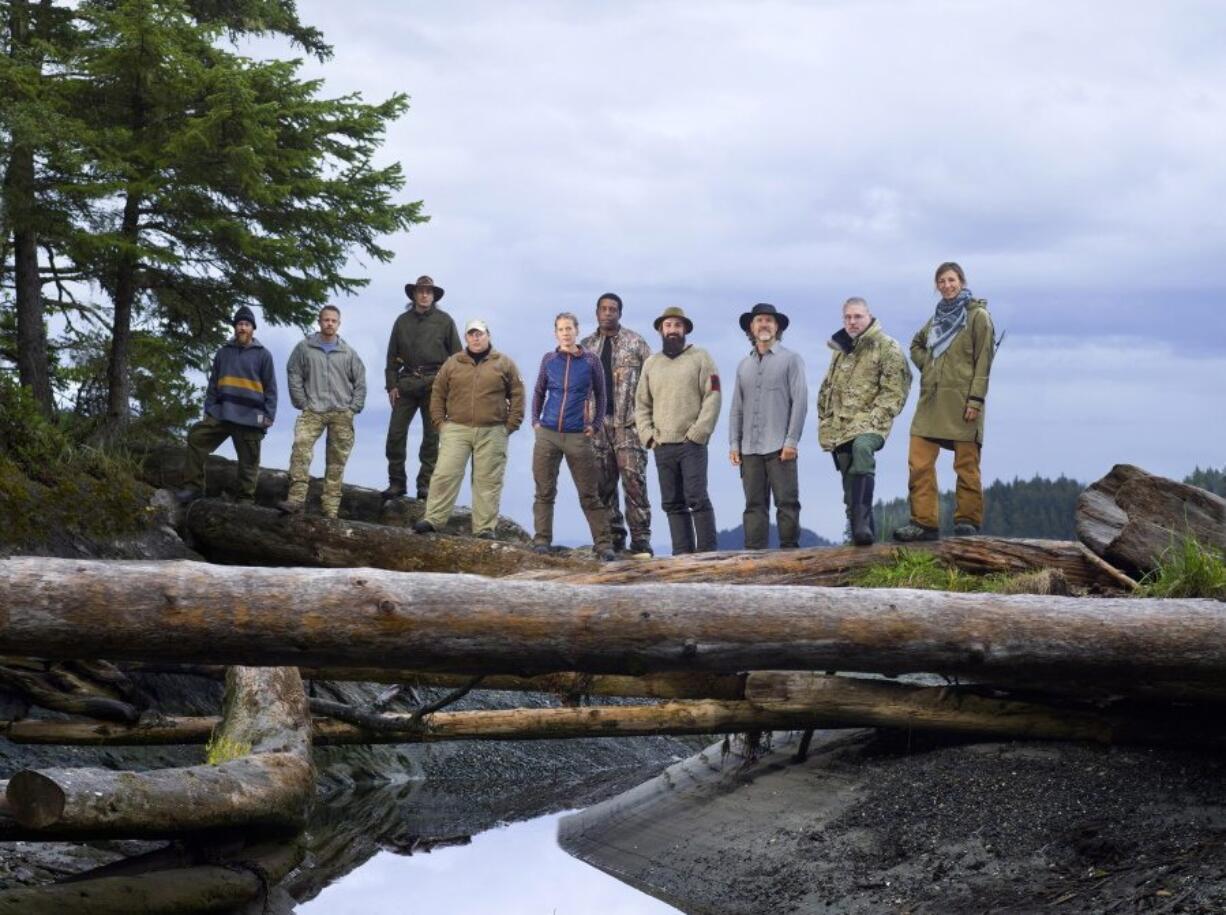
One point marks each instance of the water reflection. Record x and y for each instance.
(510, 870)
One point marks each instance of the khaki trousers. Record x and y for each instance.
(487, 446)
(580, 456)
(922, 482)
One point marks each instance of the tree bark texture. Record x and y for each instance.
(166, 467)
(193, 612)
(230, 532)
(221, 887)
(1131, 517)
(837, 566)
(778, 702)
(268, 789)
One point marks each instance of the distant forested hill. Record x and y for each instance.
(1037, 507)
(734, 539)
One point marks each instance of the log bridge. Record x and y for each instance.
(724, 643)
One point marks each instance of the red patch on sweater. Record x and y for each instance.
(714, 382)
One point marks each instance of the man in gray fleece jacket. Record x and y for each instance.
(676, 406)
(327, 382)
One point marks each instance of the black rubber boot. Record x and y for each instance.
(862, 509)
(704, 530)
(681, 530)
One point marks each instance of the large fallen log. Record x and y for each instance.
(166, 467)
(1131, 517)
(681, 685)
(836, 566)
(777, 701)
(221, 887)
(194, 612)
(265, 786)
(233, 532)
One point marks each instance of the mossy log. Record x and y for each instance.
(266, 788)
(233, 532)
(224, 886)
(838, 566)
(166, 467)
(195, 612)
(1131, 517)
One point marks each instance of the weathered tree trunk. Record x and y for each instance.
(244, 533)
(267, 789)
(20, 213)
(194, 612)
(777, 702)
(1131, 517)
(35, 688)
(166, 467)
(220, 887)
(836, 566)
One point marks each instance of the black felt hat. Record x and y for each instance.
(764, 308)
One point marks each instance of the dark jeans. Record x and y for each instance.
(414, 396)
(764, 475)
(207, 436)
(580, 456)
(682, 468)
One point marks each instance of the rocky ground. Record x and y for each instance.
(872, 823)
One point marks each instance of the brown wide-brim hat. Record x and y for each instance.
(674, 312)
(764, 308)
(410, 289)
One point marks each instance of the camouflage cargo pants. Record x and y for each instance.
(307, 430)
(620, 456)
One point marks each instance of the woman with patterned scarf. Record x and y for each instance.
(953, 352)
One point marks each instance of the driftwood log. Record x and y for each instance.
(225, 886)
(1131, 517)
(166, 467)
(775, 701)
(233, 532)
(679, 685)
(267, 789)
(837, 566)
(193, 612)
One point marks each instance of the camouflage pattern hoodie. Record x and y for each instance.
(865, 387)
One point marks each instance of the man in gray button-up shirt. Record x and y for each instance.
(769, 402)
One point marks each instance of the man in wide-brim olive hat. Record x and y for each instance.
(769, 400)
(423, 338)
(676, 407)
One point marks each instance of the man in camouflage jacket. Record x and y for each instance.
(619, 453)
(865, 387)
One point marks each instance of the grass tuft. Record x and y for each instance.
(1188, 568)
(923, 570)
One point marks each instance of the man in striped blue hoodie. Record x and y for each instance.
(568, 406)
(240, 404)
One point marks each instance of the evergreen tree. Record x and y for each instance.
(1210, 478)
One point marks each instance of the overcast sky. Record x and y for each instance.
(716, 154)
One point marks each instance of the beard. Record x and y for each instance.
(673, 344)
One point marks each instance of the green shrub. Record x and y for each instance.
(1188, 568)
(923, 570)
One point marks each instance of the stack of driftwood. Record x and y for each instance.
(731, 642)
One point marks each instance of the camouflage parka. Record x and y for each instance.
(630, 351)
(865, 387)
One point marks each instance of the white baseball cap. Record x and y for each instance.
(477, 324)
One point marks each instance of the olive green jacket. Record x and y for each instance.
(420, 341)
(865, 387)
(957, 379)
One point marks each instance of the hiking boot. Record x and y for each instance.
(543, 548)
(910, 533)
(640, 549)
(606, 556)
(188, 495)
(422, 495)
(286, 507)
(965, 529)
(486, 535)
(394, 491)
(424, 527)
(619, 544)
